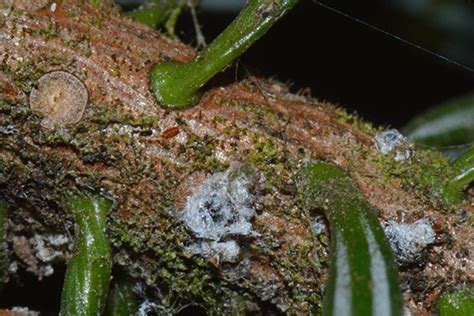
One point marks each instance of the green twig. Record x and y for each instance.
(363, 278)
(461, 177)
(88, 272)
(176, 85)
(122, 299)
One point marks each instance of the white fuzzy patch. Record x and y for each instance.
(46, 247)
(227, 251)
(318, 225)
(408, 241)
(222, 208)
(391, 139)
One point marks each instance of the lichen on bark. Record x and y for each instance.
(150, 161)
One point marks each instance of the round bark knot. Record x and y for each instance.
(28, 5)
(61, 97)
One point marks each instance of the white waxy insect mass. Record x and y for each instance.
(390, 140)
(222, 208)
(60, 97)
(409, 241)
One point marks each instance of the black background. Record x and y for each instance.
(352, 65)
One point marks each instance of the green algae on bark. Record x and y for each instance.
(432, 176)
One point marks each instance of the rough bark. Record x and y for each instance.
(150, 161)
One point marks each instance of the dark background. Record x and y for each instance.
(349, 64)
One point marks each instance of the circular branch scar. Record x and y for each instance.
(61, 97)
